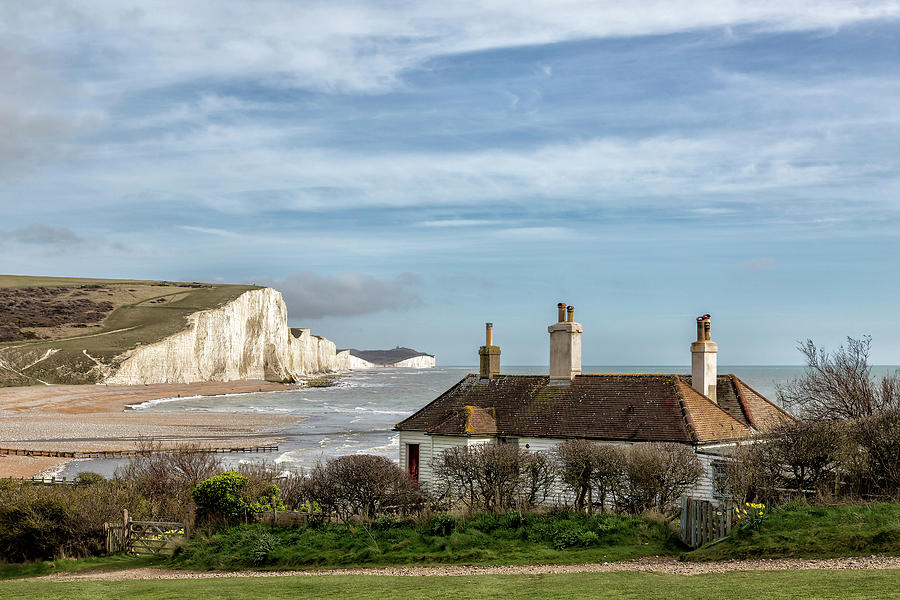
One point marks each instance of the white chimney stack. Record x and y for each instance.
(703, 360)
(565, 345)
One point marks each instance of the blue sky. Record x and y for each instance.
(405, 171)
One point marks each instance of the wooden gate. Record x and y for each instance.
(143, 537)
(703, 521)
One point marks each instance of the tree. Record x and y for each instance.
(840, 385)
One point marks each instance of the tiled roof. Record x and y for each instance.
(608, 407)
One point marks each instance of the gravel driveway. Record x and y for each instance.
(655, 564)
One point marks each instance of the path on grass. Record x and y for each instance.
(654, 564)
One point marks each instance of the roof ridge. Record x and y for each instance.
(743, 383)
(742, 401)
(685, 413)
(713, 402)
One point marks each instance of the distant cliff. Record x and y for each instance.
(248, 338)
(396, 357)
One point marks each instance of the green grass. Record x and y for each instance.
(804, 531)
(844, 585)
(483, 539)
(75, 565)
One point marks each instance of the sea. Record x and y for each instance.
(357, 415)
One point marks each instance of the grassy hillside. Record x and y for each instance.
(486, 539)
(84, 320)
(799, 530)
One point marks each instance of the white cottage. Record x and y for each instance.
(704, 410)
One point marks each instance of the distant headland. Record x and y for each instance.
(395, 357)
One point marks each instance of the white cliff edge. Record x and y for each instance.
(247, 338)
(416, 362)
(357, 363)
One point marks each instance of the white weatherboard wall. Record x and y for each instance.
(247, 338)
(431, 447)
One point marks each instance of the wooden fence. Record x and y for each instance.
(703, 521)
(143, 537)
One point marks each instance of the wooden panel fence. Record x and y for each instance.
(143, 537)
(703, 521)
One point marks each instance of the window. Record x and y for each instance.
(719, 479)
(412, 461)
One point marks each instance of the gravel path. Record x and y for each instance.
(654, 564)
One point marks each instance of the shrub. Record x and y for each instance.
(359, 485)
(38, 522)
(495, 477)
(878, 440)
(88, 478)
(166, 479)
(230, 497)
(586, 467)
(441, 524)
(220, 495)
(656, 475)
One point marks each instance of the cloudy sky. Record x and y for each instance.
(405, 171)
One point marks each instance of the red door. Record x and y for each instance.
(412, 460)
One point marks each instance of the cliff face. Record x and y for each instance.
(247, 338)
(416, 362)
(357, 363)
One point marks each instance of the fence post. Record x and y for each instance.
(126, 531)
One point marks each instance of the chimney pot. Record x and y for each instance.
(561, 309)
(571, 315)
(488, 334)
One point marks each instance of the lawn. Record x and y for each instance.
(775, 585)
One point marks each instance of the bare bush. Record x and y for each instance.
(656, 475)
(878, 440)
(166, 478)
(810, 454)
(495, 477)
(840, 385)
(576, 468)
(537, 478)
(586, 467)
(362, 485)
(753, 474)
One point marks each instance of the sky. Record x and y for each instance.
(405, 171)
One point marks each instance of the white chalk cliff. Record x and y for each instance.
(247, 338)
(424, 361)
(357, 363)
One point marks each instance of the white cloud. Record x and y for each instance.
(458, 223)
(210, 231)
(365, 46)
(312, 296)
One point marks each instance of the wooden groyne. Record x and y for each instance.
(124, 453)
